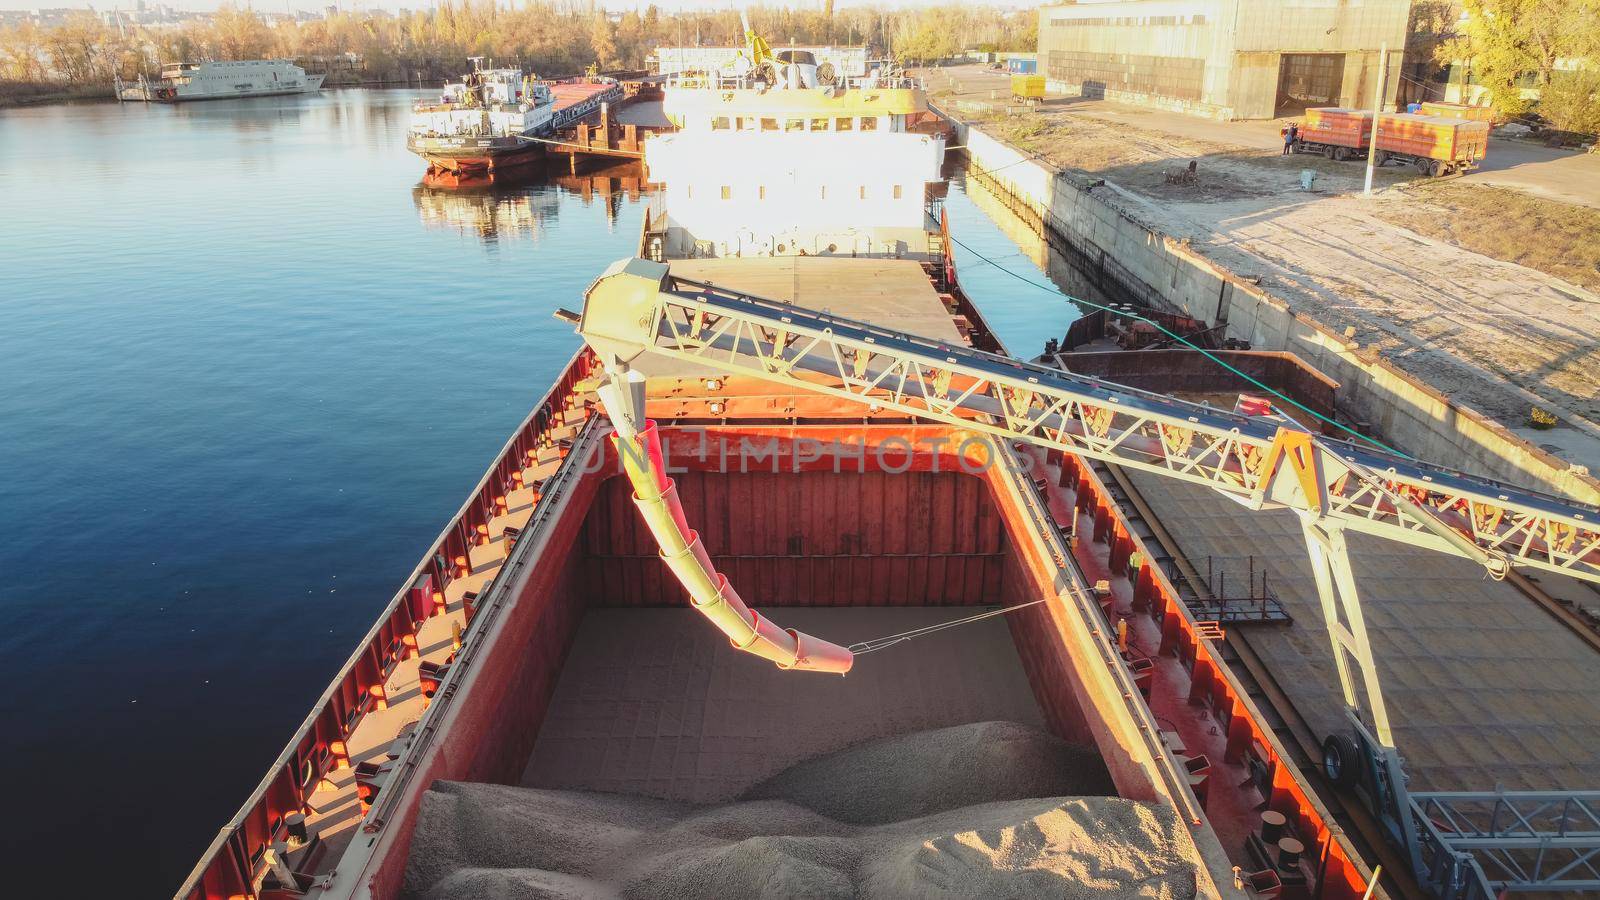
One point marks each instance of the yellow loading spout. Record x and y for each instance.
(685, 554)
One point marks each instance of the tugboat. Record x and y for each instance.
(480, 127)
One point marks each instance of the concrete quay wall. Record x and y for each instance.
(1091, 221)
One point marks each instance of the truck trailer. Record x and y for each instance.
(1436, 145)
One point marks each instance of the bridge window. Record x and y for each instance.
(794, 125)
(897, 192)
(769, 124)
(727, 192)
(720, 123)
(761, 192)
(824, 194)
(869, 123)
(863, 192)
(819, 124)
(842, 124)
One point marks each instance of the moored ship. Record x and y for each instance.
(221, 80)
(482, 125)
(544, 671)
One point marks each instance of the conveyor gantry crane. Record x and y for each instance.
(1460, 845)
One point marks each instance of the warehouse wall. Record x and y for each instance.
(1165, 53)
(1219, 58)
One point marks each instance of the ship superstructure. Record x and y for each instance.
(770, 170)
(221, 80)
(549, 644)
(482, 123)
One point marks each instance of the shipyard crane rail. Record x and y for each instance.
(1263, 462)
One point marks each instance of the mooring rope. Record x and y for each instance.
(891, 640)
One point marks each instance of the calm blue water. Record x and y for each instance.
(247, 370)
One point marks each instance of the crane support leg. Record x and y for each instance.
(1346, 623)
(1370, 764)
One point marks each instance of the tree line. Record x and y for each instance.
(551, 37)
(1530, 56)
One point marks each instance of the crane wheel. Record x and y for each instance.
(1341, 760)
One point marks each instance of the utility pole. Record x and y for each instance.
(1377, 112)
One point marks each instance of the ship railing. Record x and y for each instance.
(725, 81)
(230, 864)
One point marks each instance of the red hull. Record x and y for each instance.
(476, 171)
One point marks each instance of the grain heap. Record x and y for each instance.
(979, 810)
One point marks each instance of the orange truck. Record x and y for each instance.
(1436, 145)
(1335, 132)
(1457, 111)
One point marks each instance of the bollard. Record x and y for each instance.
(439, 603)
(462, 569)
(408, 644)
(379, 700)
(1289, 851)
(1272, 823)
(341, 754)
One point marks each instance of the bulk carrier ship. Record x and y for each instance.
(789, 419)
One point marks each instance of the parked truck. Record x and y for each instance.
(1457, 111)
(1335, 132)
(1436, 145)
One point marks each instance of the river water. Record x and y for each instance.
(248, 368)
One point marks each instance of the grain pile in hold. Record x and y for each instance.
(980, 810)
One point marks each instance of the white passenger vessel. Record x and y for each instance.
(220, 81)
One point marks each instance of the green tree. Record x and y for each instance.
(1571, 102)
(603, 41)
(22, 53)
(1509, 42)
(240, 34)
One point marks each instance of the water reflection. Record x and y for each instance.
(1026, 287)
(525, 211)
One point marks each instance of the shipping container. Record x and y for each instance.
(1335, 132)
(1437, 145)
(1022, 66)
(1027, 87)
(1457, 111)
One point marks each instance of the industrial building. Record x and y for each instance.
(1226, 59)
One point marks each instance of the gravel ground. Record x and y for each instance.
(939, 814)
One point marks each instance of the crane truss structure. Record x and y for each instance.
(1262, 462)
(1518, 840)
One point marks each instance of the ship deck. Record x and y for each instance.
(889, 293)
(1485, 690)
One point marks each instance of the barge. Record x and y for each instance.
(496, 123)
(541, 652)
